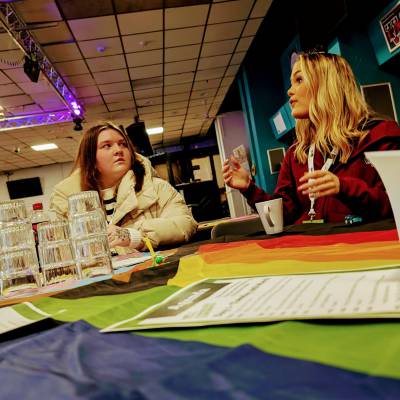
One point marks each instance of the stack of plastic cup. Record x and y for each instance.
(89, 234)
(19, 267)
(56, 253)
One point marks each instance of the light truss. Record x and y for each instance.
(18, 30)
(28, 121)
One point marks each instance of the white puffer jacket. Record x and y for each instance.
(158, 211)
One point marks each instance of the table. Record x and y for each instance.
(68, 358)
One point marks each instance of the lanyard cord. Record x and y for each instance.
(328, 163)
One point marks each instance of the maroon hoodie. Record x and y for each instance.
(361, 190)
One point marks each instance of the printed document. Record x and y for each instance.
(365, 294)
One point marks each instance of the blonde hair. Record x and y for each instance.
(337, 111)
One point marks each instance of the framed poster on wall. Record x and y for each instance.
(390, 25)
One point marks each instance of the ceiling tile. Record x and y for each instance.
(182, 53)
(18, 100)
(151, 115)
(123, 6)
(148, 71)
(175, 106)
(26, 109)
(174, 121)
(149, 101)
(238, 57)
(227, 81)
(117, 97)
(232, 70)
(35, 87)
(106, 63)
(229, 30)
(53, 34)
(203, 94)
(182, 17)
(37, 11)
(150, 109)
(4, 79)
(261, 8)
(180, 66)
(184, 36)
(230, 11)
(115, 87)
(79, 80)
(175, 113)
(11, 59)
(101, 47)
(139, 22)
(144, 58)
(244, 43)
(214, 62)
(10, 89)
(206, 84)
(118, 75)
(184, 87)
(148, 83)
(6, 42)
(124, 105)
(252, 27)
(95, 109)
(143, 42)
(173, 98)
(144, 94)
(76, 67)
(62, 52)
(87, 91)
(178, 78)
(218, 48)
(209, 74)
(83, 9)
(94, 28)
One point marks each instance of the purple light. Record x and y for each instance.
(77, 111)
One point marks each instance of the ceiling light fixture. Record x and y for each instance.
(153, 131)
(45, 146)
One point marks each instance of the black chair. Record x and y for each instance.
(242, 227)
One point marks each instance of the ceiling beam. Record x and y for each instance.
(19, 31)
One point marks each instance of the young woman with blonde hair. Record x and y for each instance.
(325, 175)
(137, 203)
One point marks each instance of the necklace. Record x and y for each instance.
(328, 163)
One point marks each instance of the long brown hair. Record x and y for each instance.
(337, 112)
(86, 158)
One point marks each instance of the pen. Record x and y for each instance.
(156, 259)
(149, 246)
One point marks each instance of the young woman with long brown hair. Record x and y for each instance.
(137, 203)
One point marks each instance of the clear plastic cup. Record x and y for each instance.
(83, 202)
(19, 270)
(57, 261)
(53, 231)
(93, 256)
(17, 235)
(12, 211)
(89, 223)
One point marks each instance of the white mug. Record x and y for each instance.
(271, 214)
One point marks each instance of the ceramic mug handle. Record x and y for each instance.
(268, 216)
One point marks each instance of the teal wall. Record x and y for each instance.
(262, 87)
(259, 103)
(356, 48)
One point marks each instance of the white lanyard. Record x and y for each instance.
(328, 163)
